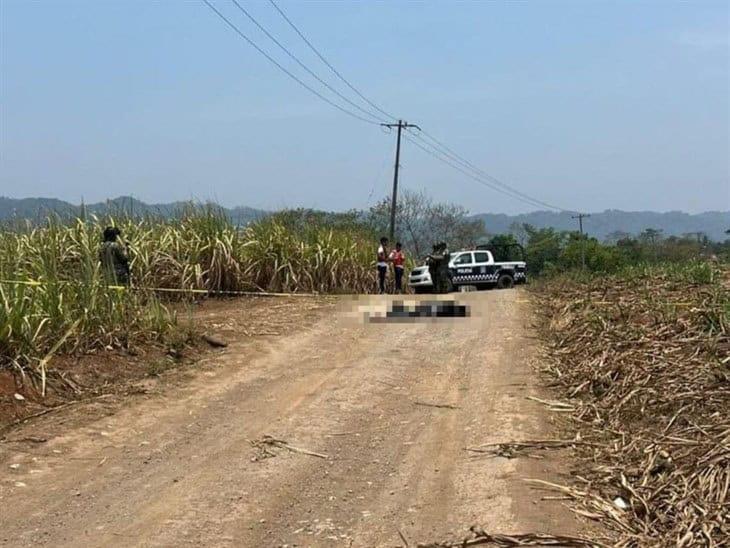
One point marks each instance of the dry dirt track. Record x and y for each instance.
(179, 469)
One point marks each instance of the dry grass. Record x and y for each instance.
(643, 358)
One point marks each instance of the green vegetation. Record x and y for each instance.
(549, 251)
(73, 310)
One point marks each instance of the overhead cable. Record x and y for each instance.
(442, 158)
(283, 69)
(436, 146)
(305, 67)
(442, 149)
(329, 65)
(424, 140)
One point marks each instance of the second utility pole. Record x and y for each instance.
(580, 218)
(400, 125)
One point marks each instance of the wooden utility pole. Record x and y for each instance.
(580, 218)
(393, 202)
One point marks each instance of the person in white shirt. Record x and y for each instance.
(382, 262)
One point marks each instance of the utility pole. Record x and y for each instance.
(580, 218)
(400, 125)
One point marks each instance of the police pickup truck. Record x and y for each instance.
(472, 268)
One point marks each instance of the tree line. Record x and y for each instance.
(423, 222)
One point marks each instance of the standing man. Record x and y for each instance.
(382, 262)
(432, 260)
(113, 257)
(444, 273)
(438, 268)
(398, 258)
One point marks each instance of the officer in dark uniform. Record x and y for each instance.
(113, 257)
(438, 268)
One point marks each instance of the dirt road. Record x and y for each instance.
(180, 468)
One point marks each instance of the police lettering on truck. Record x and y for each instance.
(475, 268)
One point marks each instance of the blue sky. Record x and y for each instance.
(587, 105)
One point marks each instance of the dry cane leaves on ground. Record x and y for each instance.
(479, 537)
(513, 449)
(266, 447)
(644, 361)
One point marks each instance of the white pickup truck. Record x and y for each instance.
(472, 267)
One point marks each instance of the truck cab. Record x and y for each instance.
(473, 267)
(479, 268)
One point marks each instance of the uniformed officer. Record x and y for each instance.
(438, 267)
(113, 257)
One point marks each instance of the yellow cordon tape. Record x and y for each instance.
(20, 282)
(35, 283)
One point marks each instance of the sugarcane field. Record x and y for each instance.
(244, 305)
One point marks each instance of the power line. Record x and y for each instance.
(329, 65)
(284, 70)
(446, 151)
(432, 146)
(301, 64)
(435, 153)
(435, 143)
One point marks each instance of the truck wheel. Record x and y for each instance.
(505, 281)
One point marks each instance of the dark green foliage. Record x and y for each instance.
(550, 251)
(505, 247)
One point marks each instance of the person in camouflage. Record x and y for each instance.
(438, 268)
(113, 257)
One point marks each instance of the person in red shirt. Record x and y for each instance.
(398, 258)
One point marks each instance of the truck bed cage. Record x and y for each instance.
(504, 252)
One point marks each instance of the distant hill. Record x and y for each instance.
(601, 225)
(39, 208)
